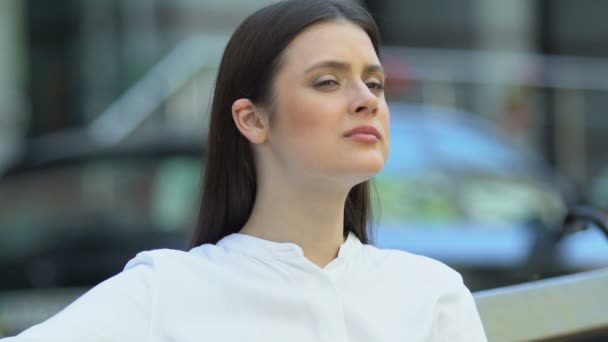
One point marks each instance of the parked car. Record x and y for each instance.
(459, 190)
(74, 210)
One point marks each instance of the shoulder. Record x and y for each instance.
(171, 261)
(402, 266)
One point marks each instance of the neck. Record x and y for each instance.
(308, 216)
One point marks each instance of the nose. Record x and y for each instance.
(364, 101)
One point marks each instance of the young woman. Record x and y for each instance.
(299, 125)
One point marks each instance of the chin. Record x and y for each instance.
(356, 168)
(363, 172)
(370, 165)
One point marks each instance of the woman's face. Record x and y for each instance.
(330, 118)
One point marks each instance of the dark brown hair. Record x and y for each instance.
(247, 70)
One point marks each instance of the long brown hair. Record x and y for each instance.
(247, 70)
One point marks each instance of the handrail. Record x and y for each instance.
(546, 310)
(472, 66)
(133, 107)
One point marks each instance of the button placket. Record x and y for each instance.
(333, 309)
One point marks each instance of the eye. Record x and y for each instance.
(326, 82)
(374, 84)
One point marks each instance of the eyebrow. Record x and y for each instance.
(344, 66)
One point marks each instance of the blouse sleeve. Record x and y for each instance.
(456, 317)
(118, 309)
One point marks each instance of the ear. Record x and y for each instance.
(252, 122)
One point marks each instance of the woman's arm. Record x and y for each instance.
(119, 309)
(456, 317)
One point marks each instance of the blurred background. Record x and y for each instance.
(498, 122)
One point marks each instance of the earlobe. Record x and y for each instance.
(250, 121)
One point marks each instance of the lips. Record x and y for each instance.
(363, 130)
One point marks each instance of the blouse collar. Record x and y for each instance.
(252, 245)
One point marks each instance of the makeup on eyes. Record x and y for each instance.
(328, 82)
(377, 82)
(325, 80)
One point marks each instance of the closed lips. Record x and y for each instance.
(363, 130)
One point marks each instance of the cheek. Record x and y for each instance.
(299, 121)
(384, 120)
(305, 116)
(306, 131)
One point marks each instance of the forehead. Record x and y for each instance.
(331, 40)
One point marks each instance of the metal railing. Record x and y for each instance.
(558, 309)
(169, 76)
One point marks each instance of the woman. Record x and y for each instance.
(299, 125)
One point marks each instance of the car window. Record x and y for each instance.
(433, 136)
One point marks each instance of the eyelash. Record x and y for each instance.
(372, 85)
(325, 83)
(375, 85)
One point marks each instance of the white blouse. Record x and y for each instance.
(249, 289)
